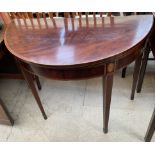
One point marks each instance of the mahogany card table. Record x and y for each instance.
(78, 48)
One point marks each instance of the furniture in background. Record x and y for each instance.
(149, 47)
(8, 65)
(5, 117)
(151, 128)
(78, 48)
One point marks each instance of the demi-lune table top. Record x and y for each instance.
(78, 48)
(70, 42)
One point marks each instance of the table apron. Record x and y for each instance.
(82, 72)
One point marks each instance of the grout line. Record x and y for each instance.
(7, 138)
(40, 127)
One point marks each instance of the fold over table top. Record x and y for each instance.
(70, 42)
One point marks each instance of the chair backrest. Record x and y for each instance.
(7, 17)
(38, 19)
(26, 15)
(41, 17)
(86, 14)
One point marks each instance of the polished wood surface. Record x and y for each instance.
(72, 42)
(78, 48)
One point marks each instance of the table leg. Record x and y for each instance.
(36, 78)
(142, 71)
(124, 72)
(136, 75)
(29, 79)
(150, 129)
(38, 82)
(5, 117)
(107, 91)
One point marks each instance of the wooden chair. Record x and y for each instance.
(151, 128)
(149, 48)
(8, 17)
(41, 21)
(86, 14)
(9, 68)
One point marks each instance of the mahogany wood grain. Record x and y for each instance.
(78, 48)
(84, 44)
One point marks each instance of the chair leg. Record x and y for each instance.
(5, 117)
(142, 71)
(124, 72)
(136, 75)
(151, 128)
(38, 82)
(107, 91)
(29, 79)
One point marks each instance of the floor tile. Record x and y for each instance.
(75, 110)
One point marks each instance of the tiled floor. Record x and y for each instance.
(74, 110)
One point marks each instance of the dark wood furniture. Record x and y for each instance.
(78, 48)
(8, 65)
(150, 47)
(5, 118)
(151, 128)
